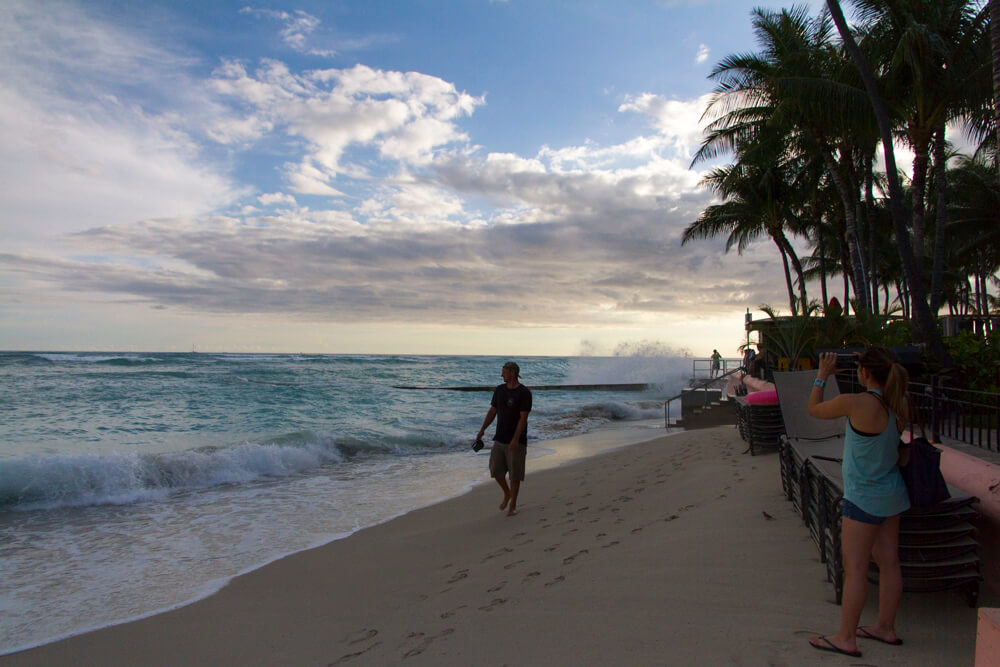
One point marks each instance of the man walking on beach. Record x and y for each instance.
(510, 405)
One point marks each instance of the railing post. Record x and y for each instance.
(935, 433)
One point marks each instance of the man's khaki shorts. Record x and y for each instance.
(503, 461)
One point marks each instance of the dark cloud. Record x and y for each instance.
(583, 269)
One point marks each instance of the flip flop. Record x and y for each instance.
(833, 648)
(862, 632)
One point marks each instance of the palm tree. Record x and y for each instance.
(790, 88)
(757, 203)
(929, 56)
(926, 325)
(994, 7)
(975, 217)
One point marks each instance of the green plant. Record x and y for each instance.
(977, 360)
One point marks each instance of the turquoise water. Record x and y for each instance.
(131, 483)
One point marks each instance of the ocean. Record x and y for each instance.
(133, 483)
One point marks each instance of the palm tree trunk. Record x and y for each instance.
(927, 330)
(847, 294)
(797, 265)
(848, 198)
(918, 186)
(870, 223)
(788, 275)
(822, 261)
(941, 219)
(995, 39)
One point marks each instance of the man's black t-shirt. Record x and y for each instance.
(510, 403)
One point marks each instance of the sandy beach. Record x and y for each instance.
(680, 550)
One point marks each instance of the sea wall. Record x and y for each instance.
(977, 472)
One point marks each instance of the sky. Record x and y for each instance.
(415, 177)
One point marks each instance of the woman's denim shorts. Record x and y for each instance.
(852, 511)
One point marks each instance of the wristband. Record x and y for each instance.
(819, 383)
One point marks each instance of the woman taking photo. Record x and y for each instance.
(874, 492)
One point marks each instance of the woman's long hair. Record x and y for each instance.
(888, 372)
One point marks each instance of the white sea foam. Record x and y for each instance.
(50, 482)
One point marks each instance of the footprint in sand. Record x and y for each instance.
(350, 656)
(552, 548)
(449, 614)
(636, 530)
(530, 576)
(361, 635)
(500, 552)
(610, 544)
(497, 587)
(571, 531)
(425, 641)
(514, 564)
(458, 576)
(569, 559)
(670, 518)
(357, 638)
(494, 604)
(555, 581)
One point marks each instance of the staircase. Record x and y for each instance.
(703, 405)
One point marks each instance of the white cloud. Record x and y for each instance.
(405, 116)
(703, 53)
(677, 120)
(423, 226)
(276, 198)
(62, 172)
(296, 28)
(75, 151)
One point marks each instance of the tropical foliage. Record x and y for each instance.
(810, 122)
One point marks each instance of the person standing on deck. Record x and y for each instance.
(510, 405)
(716, 362)
(874, 493)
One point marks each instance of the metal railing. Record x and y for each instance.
(695, 386)
(968, 416)
(702, 368)
(972, 417)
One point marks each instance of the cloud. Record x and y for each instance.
(703, 53)
(75, 153)
(276, 198)
(678, 120)
(404, 116)
(296, 28)
(410, 220)
(582, 268)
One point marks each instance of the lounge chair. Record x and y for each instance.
(760, 424)
(937, 545)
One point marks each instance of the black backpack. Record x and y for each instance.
(922, 474)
